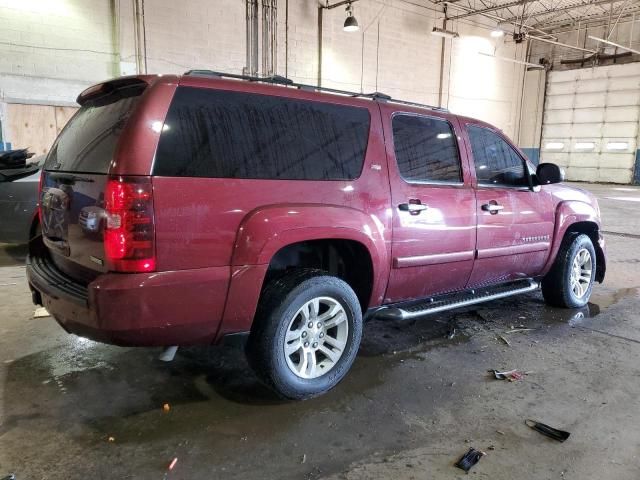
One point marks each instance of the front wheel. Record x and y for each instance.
(306, 334)
(570, 281)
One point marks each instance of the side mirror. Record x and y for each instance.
(548, 173)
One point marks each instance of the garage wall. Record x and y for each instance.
(591, 122)
(52, 50)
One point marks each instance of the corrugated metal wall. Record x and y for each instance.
(591, 121)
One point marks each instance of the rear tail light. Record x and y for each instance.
(129, 234)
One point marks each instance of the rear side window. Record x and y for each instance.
(497, 163)
(89, 140)
(222, 134)
(426, 149)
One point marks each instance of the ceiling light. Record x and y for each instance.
(350, 23)
(497, 33)
(617, 146)
(554, 146)
(441, 32)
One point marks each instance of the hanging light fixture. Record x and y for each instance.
(350, 23)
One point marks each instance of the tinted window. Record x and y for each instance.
(212, 133)
(497, 163)
(88, 142)
(426, 149)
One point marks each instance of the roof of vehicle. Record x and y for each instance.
(278, 81)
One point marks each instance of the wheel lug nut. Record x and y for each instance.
(304, 334)
(315, 345)
(306, 344)
(319, 324)
(321, 335)
(310, 325)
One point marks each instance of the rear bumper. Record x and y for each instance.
(147, 309)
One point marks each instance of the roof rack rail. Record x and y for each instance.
(280, 80)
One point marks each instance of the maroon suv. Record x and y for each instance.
(211, 207)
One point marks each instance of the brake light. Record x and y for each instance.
(129, 233)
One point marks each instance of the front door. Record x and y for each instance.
(515, 223)
(433, 206)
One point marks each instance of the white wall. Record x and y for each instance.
(51, 49)
(73, 43)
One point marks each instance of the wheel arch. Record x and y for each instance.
(575, 217)
(269, 235)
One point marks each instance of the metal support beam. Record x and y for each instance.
(568, 8)
(546, 40)
(493, 9)
(498, 19)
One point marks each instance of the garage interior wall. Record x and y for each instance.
(50, 50)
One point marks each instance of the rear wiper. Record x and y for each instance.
(70, 178)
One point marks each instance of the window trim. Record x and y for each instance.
(428, 182)
(522, 159)
(285, 97)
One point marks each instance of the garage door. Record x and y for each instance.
(590, 124)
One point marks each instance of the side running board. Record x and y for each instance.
(410, 310)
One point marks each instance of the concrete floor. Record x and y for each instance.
(414, 402)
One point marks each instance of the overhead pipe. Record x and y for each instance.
(269, 37)
(251, 67)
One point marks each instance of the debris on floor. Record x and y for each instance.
(304, 458)
(504, 340)
(41, 312)
(111, 439)
(469, 459)
(173, 463)
(511, 375)
(9, 477)
(166, 408)
(559, 435)
(519, 330)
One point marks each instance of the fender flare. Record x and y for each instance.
(265, 231)
(568, 213)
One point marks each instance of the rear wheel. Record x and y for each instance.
(570, 281)
(307, 333)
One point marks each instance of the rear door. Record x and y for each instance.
(433, 205)
(75, 176)
(515, 223)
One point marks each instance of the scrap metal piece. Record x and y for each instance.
(559, 435)
(469, 459)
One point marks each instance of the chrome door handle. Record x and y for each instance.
(412, 208)
(492, 208)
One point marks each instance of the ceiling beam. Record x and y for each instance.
(493, 9)
(569, 8)
(499, 19)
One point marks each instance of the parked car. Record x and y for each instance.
(205, 208)
(18, 195)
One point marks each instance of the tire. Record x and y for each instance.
(287, 308)
(558, 287)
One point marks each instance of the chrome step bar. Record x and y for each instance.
(471, 297)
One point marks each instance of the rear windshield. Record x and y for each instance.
(88, 142)
(223, 134)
